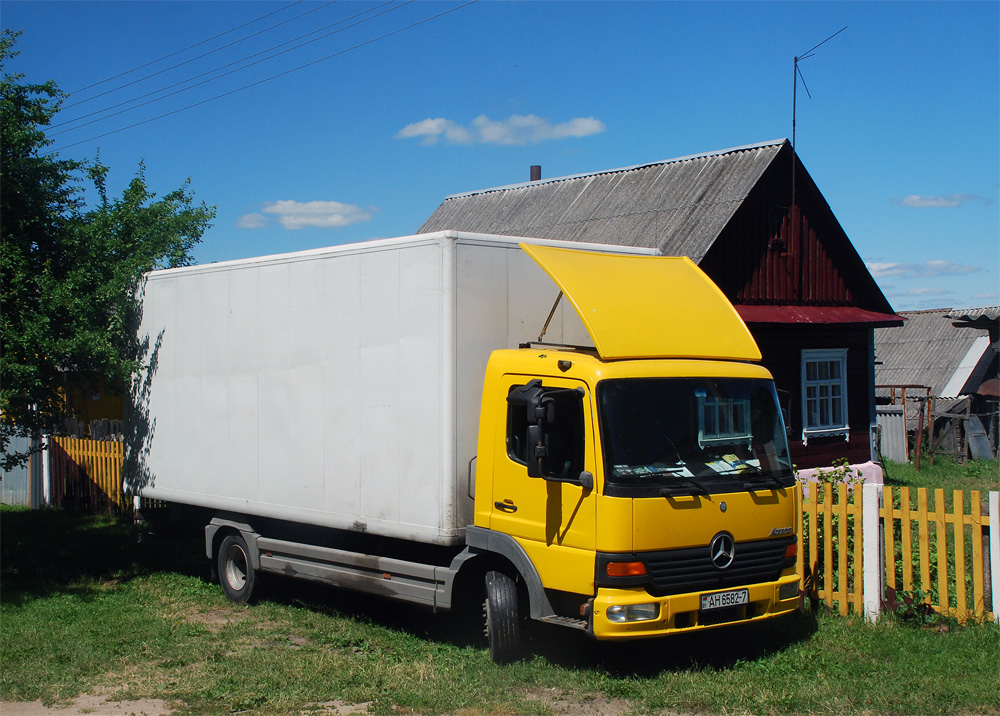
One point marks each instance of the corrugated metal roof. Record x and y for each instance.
(988, 313)
(679, 206)
(928, 350)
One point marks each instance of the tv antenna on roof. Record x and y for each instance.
(796, 76)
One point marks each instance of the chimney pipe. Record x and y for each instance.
(536, 172)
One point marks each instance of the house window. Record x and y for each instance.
(722, 420)
(824, 393)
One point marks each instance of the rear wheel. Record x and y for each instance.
(236, 573)
(503, 619)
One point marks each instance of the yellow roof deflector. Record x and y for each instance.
(637, 306)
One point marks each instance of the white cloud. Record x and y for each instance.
(516, 130)
(300, 214)
(432, 130)
(252, 221)
(928, 269)
(521, 129)
(937, 202)
(927, 291)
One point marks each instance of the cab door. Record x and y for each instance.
(549, 431)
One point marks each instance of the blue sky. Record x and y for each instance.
(367, 128)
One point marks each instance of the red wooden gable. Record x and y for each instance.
(773, 255)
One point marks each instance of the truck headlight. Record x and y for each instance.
(789, 590)
(633, 612)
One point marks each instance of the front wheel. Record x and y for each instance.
(236, 573)
(503, 618)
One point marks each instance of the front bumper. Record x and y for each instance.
(682, 612)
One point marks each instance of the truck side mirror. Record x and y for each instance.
(538, 450)
(552, 430)
(542, 408)
(527, 395)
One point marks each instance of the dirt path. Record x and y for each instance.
(97, 705)
(86, 705)
(93, 705)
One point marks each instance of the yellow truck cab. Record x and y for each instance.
(642, 487)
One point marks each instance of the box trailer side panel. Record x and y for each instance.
(337, 387)
(308, 390)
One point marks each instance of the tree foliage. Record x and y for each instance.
(71, 274)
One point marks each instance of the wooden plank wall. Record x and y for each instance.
(781, 347)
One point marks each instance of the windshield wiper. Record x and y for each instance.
(752, 474)
(675, 473)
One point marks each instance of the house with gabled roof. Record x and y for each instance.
(784, 261)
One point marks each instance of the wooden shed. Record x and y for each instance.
(943, 366)
(791, 270)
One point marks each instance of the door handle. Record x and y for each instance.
(505, 506)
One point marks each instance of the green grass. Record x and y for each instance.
(945, 473)
(84, 605)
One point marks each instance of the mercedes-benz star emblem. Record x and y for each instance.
(722, 550)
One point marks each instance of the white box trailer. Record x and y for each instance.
(338, 387)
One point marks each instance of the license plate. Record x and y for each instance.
(722, 600)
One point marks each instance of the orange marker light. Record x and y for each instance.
(626, 569)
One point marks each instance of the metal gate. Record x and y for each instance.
(22, 486)
(892, 432)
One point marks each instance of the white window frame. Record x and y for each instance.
(826, 390)
(729, 423)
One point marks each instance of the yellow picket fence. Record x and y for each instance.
(87, 474)
(931, 555)
(950, 563)
(830, 543)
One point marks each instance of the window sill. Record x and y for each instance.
(829, 432)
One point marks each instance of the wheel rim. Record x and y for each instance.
(236, 568)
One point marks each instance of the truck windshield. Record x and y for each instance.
(694, 435)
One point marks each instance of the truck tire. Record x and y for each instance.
(503, 619)
(236, 573)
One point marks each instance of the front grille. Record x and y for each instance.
(691, 570)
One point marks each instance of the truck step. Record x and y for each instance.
(565, 621)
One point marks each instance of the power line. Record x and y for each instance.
(224, 74)
(217, 69)
(268, 79)
(193, 59)
(189, 47)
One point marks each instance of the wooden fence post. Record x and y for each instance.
(995, 553)
(872, 562)
(906, 435)
(978, 558)
(803, 560)
(919, 437)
